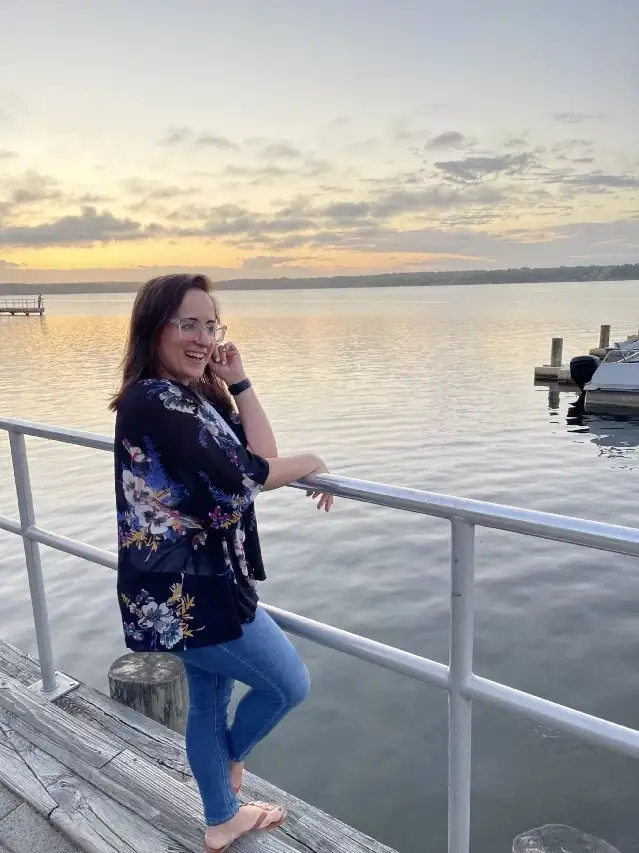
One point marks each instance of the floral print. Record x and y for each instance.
(188, 548)
(150, 516)
(163, 624)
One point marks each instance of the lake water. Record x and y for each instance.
(424, 387)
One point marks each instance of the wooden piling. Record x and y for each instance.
(604, 337)
(554, 372)
(556, 352)
(153, 683)
(559, 838)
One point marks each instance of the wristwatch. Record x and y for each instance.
(238, 387)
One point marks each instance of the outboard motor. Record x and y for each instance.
(582, 369)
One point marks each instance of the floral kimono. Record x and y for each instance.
(188, 549)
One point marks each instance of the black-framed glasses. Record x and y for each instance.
(190, 329)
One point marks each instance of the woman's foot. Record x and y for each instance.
(237, 774)
(250, 817)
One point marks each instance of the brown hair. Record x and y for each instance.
(155, 304)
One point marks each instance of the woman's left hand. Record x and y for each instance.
(325, 500)
(226, 363)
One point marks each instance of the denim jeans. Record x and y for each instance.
(265, 660)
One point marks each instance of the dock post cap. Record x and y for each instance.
(559, 838)
(153, 683)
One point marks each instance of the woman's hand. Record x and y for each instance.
(226, 363)
(325, 500)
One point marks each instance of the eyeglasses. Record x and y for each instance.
(190, 330)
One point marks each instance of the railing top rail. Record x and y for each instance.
(544, 525)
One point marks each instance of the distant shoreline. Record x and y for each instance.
(523, 275)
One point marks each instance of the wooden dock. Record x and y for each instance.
(114, 781)
(22, 306)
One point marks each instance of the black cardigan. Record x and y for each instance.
(188, 548)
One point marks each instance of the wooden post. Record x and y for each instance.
(153, 683)
(604, 337)
(559, 838)
(556, 352)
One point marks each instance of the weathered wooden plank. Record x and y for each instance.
(309, 825)
(306, 824)
(136, 801)
(85, 813)
(129, 729)
(35, 714)
(18, 664)
(179, 806)
(149, 764)
(16, 775)
(156, 743)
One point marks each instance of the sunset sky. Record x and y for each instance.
(259, 138)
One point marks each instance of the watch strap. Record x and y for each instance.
(238, 387)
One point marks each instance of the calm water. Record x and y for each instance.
(428, 388)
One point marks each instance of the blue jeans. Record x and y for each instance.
(265, 660)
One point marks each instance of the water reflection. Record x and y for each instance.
(616, 436)
(421, 387)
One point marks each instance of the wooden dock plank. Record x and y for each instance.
(16, 774)
(34, 714)
(156, 743)
(129, 729)
(17, 664)
(85, 813)
(138, 767)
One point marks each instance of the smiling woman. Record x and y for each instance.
(188, 467)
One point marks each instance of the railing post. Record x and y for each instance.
(461, 667)
(32, 558)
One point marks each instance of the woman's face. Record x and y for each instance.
(185, 348)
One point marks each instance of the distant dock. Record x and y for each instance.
(22, 306)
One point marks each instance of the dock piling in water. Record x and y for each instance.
(556, 352)
(604, 337)
(552, 371)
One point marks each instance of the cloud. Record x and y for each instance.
(516, 142)
(471, 169)
(601, 180)
(534, 247)
(176, 135)
(5, 154)
(593, 181)
(30, 187)
(449, 139)
(578, 160)
(270, 173)
(9, 265)
(180, 135)
(570, 117)
(346, 209)
(154, 190)
(87, 228)
(263, 263)
(221, 143)
(281, 151)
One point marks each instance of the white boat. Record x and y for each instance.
(614, 386)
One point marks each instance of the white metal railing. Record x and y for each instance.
(458, 678)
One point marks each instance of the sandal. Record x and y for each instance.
(267, 810)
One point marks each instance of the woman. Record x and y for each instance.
(193, 448)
